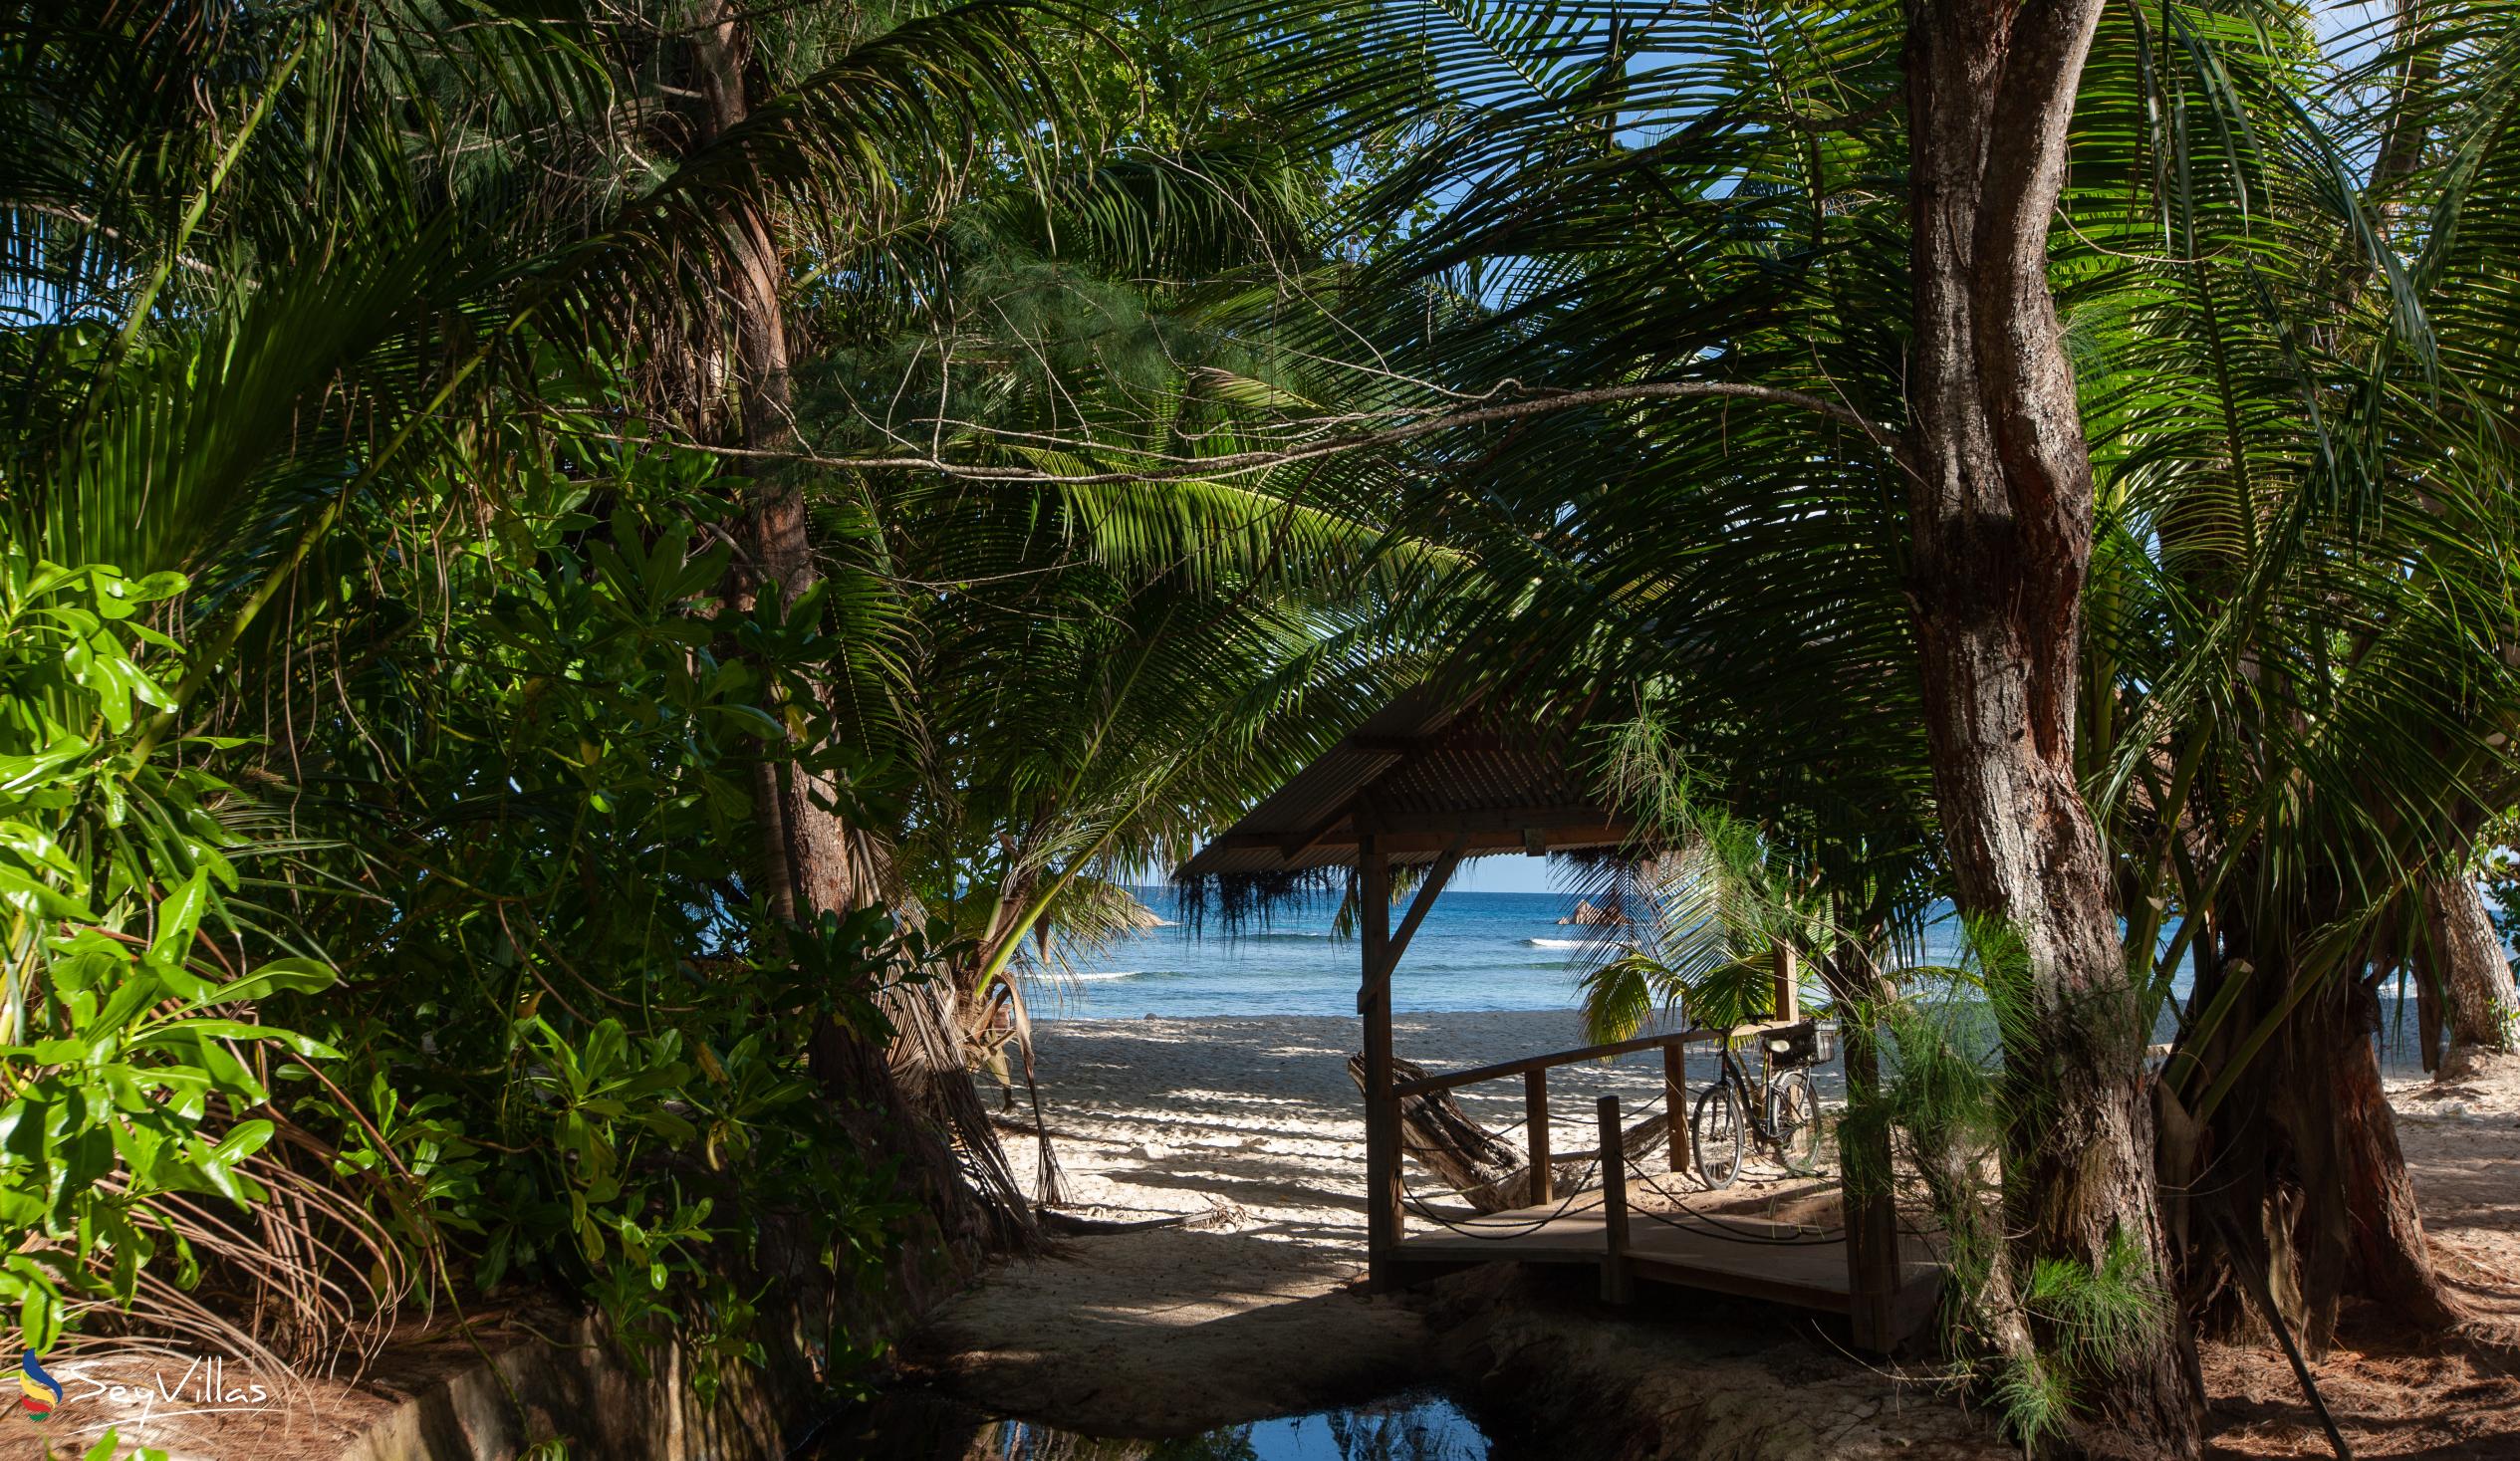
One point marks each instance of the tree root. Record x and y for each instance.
(2491, 1339)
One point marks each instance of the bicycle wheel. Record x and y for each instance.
(1715, 1136)
(1794, 1115)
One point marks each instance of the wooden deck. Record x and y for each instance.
(1746, 1257)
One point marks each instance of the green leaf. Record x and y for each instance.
(183, 1031)
(40, 899)
(294, 975)
(243, 1142)
(178, 915)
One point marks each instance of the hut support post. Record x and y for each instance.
(1373, 1003)
(1382, 1111)
(1675, 1103)
(1536, 1134)
(1615, 1284)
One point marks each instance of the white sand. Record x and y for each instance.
(1161, 1116)
(2461, 1139)
(1178, 1330)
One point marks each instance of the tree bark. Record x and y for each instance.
(807, 859)
(2461, 966)
(2001, 520)
(2302, 1153)
(906, 1098)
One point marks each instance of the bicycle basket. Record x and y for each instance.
(1796, 1046)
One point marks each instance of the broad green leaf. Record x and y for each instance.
(180, 1032)
(294, 975)
(178, 915)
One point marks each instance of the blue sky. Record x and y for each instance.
(1505, 873)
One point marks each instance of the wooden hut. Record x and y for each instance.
(1426, 784)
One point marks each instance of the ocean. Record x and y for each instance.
(1475, 951)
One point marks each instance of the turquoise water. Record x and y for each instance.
(1475, 951)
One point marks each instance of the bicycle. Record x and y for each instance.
(1785, 1117)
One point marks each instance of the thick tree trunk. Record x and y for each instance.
(2302, 1153)
(2461, 969)
(2001, 514)
(2383, 1224)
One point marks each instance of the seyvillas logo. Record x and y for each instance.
(104, 1389)
(205, 1385)
(40, 1392)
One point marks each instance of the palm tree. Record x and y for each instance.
(330, 298)
(1810, 554)
(1698, 937)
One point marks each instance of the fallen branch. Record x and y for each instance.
(2255, 1282)
(1071, 1225)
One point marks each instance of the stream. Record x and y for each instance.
(916, 1425)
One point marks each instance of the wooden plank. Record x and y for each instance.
(1455, 741)
(1517, 819)
(1798, 1270)
(1614, 1286)
(1405, 844)
(1427, 892)
(1384, 1224)
(1788, 982)
(1445, 1080)
(1741, 1283)
(1558, 1249)
(1802, 1273)
(1536, 1136)
(1297, 844)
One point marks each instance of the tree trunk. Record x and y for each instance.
(2001, 517)
(2388, 1254)
(2302, 1153)
(2460, 964)
(2427, 1011)
(807, 863)
(906, 1098)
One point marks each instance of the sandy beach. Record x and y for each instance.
(1254, 1124)
(1162, 1117)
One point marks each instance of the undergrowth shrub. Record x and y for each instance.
(451, 931)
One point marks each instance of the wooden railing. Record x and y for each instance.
(1615, 1288)
(1879, 1297)
(1534, 1073)
(1382, 945)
